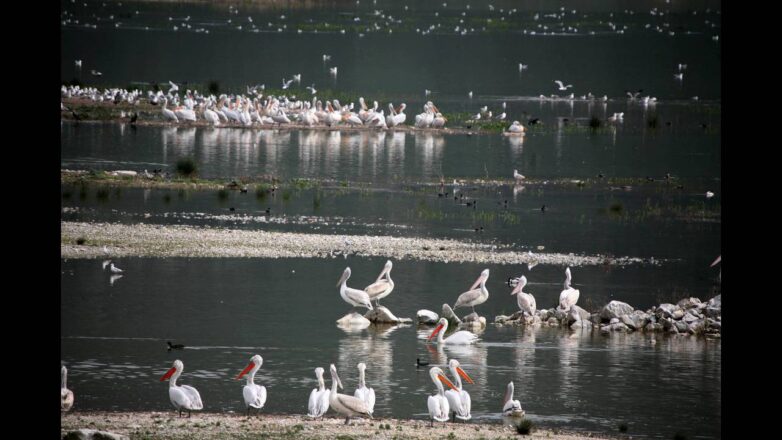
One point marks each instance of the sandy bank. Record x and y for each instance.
(166, 425)
(151, 240)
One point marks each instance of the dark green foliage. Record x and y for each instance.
(186, 167)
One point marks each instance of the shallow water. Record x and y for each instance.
(226, 310)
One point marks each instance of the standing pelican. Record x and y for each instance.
(168, 114)
(354, 297)
(519, 178)
(362, 392)
(458, 399)
(474, 296)
(319, 397)
(381, 288)
(569, 296)
(525, 301)
(438, 404)
(510, 407)
(254, 395)
(348, 406)
(66, 395)
(461, 337)
(184, 396)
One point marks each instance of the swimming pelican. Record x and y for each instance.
(184, 396)
(254, 395)
(458, 399)
(569, 296)
(348, 406)
(66, 395)
(115, 269)
(517, 176)
(319, 397)
(516, 127)
(354, 297)
(562, 86)
(461, 337)
(439, 409)
(525, 301)
(474, 296)
(362, 392)
(510, 407)
(381, 288)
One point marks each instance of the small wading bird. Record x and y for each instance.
(254, 395)
(569, 296)
(354, 297)
(115, 269)
(458, 399)
(525, 301)
(362, 392)
(439, 409)
(348, 406)
(462, 337)
(382, 287)
(182, 396)
(474, 296)
(66, 395)
(319, 397)
(510, 407)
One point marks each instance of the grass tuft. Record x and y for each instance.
(186, 167)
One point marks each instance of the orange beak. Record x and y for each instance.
(445, 380)
(168, 374)
(437, 329)
(464, 375)
(246, 370)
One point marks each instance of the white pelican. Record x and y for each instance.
(458, 399)
(362, 392)
(354, 297)
(105, 263)
(211, 116)
(516, 127)
(254, 395)
(517, 176)
(525, 301)
(333, 71)
(66, 395)
(461, 337)
(115, 269)
(562, 86)
(381, 288)
(439, 120)
(182, 396)
(510, 407)
(438, 404)
(319, 397)
(348, 406)
(569, 296)
(474, 296)
(168, 114)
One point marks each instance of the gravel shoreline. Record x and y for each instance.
(202, 426)
(151, 240)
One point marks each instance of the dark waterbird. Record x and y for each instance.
(175, 346)
(133, 118)
(543, 208)
(534, 121)
(420, 364)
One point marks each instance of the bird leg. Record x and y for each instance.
(347, 419)
(453, 417)
(432, 425)
(188, 414)
(180, 412)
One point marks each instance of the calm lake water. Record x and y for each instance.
(113, 333)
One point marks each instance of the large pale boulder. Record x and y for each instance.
(450, 315)
(688, 303)
(381, 315)
(353, 320)
(427, 317)
(615, 309)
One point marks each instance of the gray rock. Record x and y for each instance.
(619, 327)
(678, 314)
(688, 303)
(713, 323)
(472, 317)
(560, 314)
(381, 315)
(354, 320)
(713, 312)
(716, 301)
(581, 312)
(605, 329)
(577, 325)
(688, 318)
(667, 323)
(694, 312)
(517, 316)
(573, 316)
(595, 318)
(553, 322)
(93, 434)
(630, 321)
(614, 320)
(672, 330)
(681, 326)
(665, 310)
(653, 327)
(531, 320)
(544, 314)
(501, 319)
(427, 317)
(615, 309)
(473, 325)
(696, 327)
(450, 315)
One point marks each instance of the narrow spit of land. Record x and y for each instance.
(154, 240)
(203, 426)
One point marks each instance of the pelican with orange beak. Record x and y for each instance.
(182, 396)
(254, 395)
(461, 337)
(458, 399)
(382, 287)
(348, 406)
(438, 404)
(475, 295)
